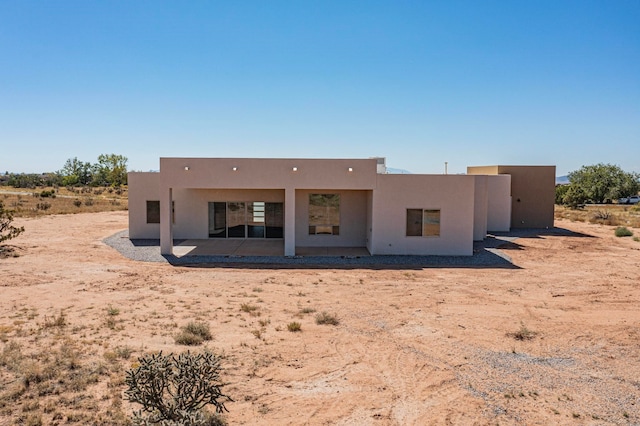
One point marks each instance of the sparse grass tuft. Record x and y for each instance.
(325, 318)
(523, 333)
(246, 307)
(294, 326)
(307, 310)
(59, 321)
(112, 311)
(252, 310)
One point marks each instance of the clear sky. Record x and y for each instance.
(420, 82)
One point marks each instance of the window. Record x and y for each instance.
(423, 223)
(324, 214)
(153, 211)
(250, 219)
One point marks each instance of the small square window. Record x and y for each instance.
(153, 211)
(423, 223)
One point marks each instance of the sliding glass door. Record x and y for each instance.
(217, 220)
(254, 219)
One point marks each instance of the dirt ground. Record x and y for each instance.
(553, 340)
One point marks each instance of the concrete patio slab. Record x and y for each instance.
(229, 247)
(257, 247)
(332, 251)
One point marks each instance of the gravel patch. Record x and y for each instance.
(485, 254)
(557, 384)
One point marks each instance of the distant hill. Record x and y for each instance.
(562, 180)
(393, 171)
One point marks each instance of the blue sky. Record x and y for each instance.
(420, 82)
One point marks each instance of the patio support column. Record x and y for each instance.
(166, 224)
(289, 222)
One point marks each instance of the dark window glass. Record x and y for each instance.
(324, 214)
(153, 211)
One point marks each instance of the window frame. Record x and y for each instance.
(424, 221)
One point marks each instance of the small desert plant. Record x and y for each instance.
(8, 231)
(112, 311)
(193, 334)
(523, 333)
(123, 352)
(199, 329)
(601, 215)
(88, 202)
(59, 321)
(176, 389)
(307, 310)
(245, 307)
(326, 318)
(187, 339)
(623, 231)
(77, 202)
(294, 326)
(43, 206)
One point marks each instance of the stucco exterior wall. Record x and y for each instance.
(453, 195)
(480, 204)
(269, 173)
(353, 220)
(369, 225)
(532, 193)
(143, 186)
(499, 203)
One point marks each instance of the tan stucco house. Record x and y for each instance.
(327, 203)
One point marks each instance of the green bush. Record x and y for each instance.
(175, 390)
(622, 231)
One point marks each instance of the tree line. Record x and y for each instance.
(598, 184)
(109, 170)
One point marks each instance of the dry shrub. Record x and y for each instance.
(523, 333)
(294, 326)
(325, 318)
(63, 204)
(193, 334)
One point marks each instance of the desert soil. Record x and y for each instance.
(413, 346)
